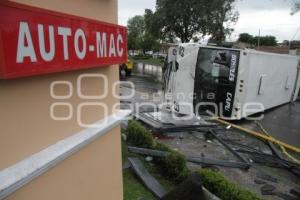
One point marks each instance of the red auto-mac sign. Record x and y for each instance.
(36, 41)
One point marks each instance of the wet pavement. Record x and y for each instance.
(147, 81)
(148, 70)
(283, 123)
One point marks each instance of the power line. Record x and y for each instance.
(290, 42)
(295, 33)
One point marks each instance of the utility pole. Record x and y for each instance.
(258, 40)
(290, 43)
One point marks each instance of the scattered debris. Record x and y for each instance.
(148, 152)
(267, 188)
(275, 150)
(208, 161)
(281, 195)
(198, 135)
(295, 191)
(149, 158)
(194, 159)
(285, 196)
(241, 158)
(240, 146)
(162, 137)
(259, 182)
(164, 122)
(267, 178)
(272, 161)
(148, 180)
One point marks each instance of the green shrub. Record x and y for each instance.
(173, 167)
(163, 147)
(217, 184)
(138, 136)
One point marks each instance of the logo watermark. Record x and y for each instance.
(181, 106)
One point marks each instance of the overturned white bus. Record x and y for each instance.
(231, 83)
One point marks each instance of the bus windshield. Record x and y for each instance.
(216, 78)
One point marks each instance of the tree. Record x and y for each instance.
(246, 38)
(152, 26)
(186, 18)
(149, 43)
(136, 29)
(296, 7)
(264, 40)
(286, 42)
(139, 35)
(222, 17)
(181, 18)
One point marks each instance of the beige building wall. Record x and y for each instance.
(27, 128)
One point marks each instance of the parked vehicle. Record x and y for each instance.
(127, 67)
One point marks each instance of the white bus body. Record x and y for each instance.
(231, 83)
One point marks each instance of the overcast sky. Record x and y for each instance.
(272, 17)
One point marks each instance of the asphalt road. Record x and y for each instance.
(283, 123)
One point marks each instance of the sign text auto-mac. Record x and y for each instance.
(35, 41)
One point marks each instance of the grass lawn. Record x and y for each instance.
(133, 188)
(150, 61)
